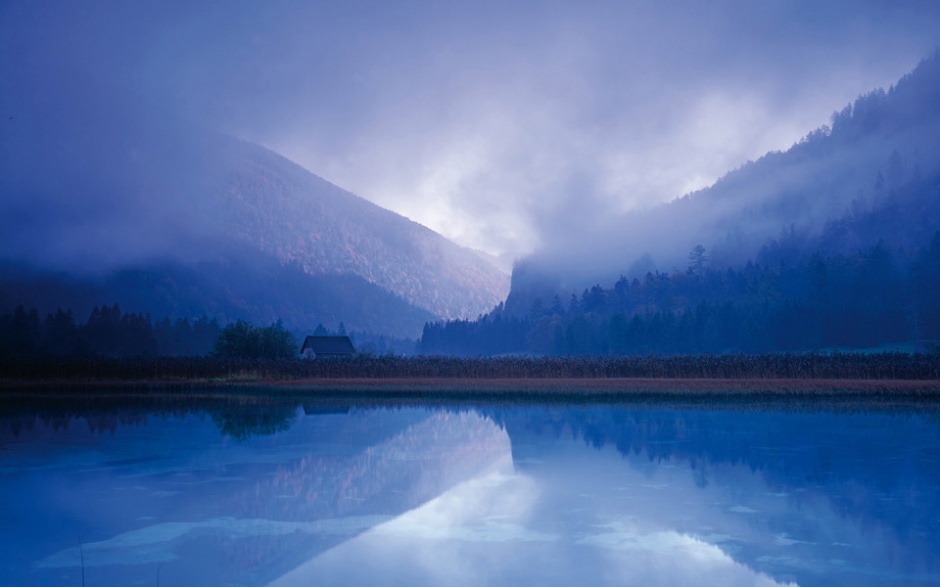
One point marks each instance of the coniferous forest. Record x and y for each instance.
(880, 296)
(108, 332)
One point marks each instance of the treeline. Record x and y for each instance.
(237, 417)
(108, 332)
(879, 366)
(859, 300)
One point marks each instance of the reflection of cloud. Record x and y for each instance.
(397, 474)
(742, 509)
(451, 540)
(818, 512)
(785, 540)
(655, 542)
(161, 542)
(671, 558)
(442, 542)
(486, 531)
(476, 511)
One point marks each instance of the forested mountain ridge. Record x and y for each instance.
(870, 175)
(120, 202)
(833, 243)
(247, 286)
(288, 212)
(868, 299)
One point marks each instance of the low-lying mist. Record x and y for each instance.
(95, 178)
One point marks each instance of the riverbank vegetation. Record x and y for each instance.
(855, 366)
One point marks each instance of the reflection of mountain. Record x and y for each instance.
(573, 515)
(384, 479)
(259, 506)
(649, 495)
(873, 473)
(239, 418)
(398, 473)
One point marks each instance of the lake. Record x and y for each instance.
(245, 491)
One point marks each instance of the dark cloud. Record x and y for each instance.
(480, 119)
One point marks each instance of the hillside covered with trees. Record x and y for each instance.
(853, 263)
(803, 303)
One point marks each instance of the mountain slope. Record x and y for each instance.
(249, 287)
(97, 186)
(880, 154)
(288, 212)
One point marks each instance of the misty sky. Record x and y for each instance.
(497, 124)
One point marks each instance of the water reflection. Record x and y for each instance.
(254, 494)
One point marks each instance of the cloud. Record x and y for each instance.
(483, 120)
(489, 530)
(483, 136)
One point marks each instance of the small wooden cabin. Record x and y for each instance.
(325, 347)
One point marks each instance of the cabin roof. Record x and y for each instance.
(328, 345)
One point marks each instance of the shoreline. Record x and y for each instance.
(456, 386)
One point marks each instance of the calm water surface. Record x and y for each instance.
(282, 494)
